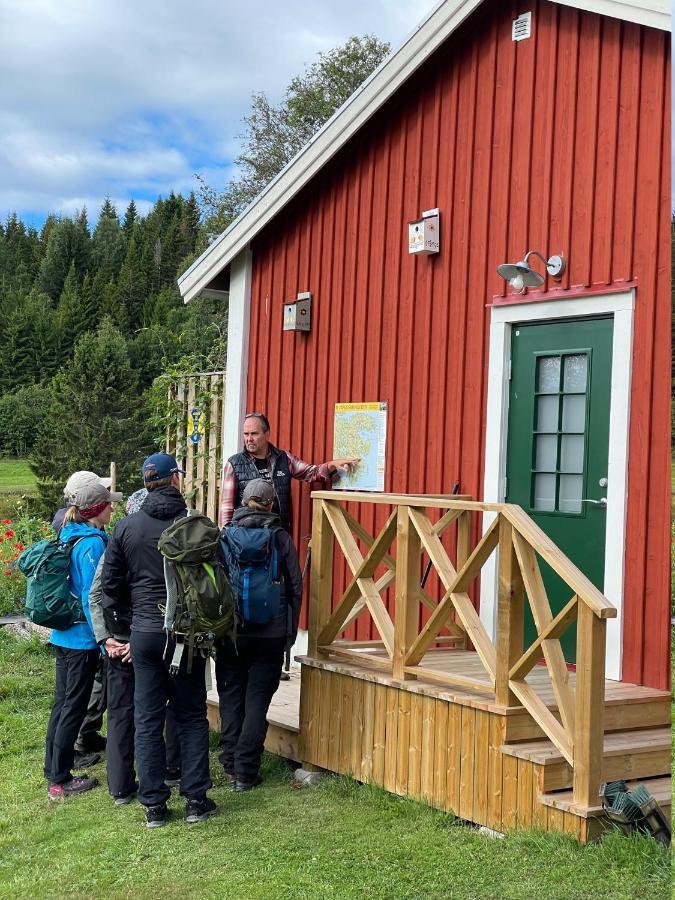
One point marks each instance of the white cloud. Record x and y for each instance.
(131, 98)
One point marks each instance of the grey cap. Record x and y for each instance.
(259, 490)
(92, 493)
(78, 480)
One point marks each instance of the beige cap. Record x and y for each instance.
(78, 480)
(92, 493)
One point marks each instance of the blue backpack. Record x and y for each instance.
(252, 558)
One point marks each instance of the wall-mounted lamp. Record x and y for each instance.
(521, 274)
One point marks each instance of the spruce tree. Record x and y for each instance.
(107, 243)
(95, 415)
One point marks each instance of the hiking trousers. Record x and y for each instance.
(93, 719)
(120, 746)
(186, 695)
(247, 678)
(75, 671)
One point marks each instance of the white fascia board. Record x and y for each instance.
(653, 14)
(358, 109)
(336, 132)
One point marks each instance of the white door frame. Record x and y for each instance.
(621, 307)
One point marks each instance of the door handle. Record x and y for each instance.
(601, 502)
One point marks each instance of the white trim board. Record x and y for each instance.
(438, 26)
(620, 306)
(238, 324)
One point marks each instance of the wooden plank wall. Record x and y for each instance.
(559, 143)
(202, 461)
(425, 748)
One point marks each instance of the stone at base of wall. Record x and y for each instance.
(490, 832)
(303, 778)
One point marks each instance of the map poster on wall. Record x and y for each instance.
(360, 430)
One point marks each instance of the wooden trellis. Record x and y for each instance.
(195, 435)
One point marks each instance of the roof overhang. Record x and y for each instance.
(358, 109)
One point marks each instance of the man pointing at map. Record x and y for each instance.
(261, 459)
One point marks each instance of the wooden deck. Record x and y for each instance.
(459, 749)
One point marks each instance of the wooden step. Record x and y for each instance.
(627, 754)
(659, 788)
(620, 715)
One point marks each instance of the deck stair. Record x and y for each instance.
(634, 754)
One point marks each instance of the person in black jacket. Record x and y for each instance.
(133, 576)
(247, 674)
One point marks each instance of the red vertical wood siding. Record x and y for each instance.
(558, 143)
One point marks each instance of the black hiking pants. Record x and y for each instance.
(75, 671)
(120, 682)
(247, 678)
(186, 695)
(93, 719)
(120, 747)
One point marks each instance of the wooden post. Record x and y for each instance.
(321, 577)
(510, 615)
(589, 732)
(406, 618)
(113, 476)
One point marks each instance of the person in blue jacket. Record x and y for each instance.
(76, 649)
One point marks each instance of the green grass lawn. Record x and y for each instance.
(337, 840)
(16, 477)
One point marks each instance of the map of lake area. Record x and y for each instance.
(360, 430)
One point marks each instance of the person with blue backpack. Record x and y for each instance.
(262, 565)
(77, 652)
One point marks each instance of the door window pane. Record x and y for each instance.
(548, 374)
(546, 455)
(574, 413)
(570, 493)
(572, 453)
(547, 413)
(575, 373)
(544, 492)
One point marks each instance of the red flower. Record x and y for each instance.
(19, 546)
(9, 533)
(1, 540)
(6, 521)
(8, 571)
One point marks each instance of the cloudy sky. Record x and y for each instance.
(132, 97)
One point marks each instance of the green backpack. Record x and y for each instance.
(200, 602)
(49, 601)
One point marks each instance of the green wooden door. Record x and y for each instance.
(557, 444)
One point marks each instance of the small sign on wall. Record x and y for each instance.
(424, 234)
(298, 314)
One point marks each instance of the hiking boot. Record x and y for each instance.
(172, 777)
(198, 809)
(124, 799)
(156, 816)
(85, 760)
(77, 785)
(93, 743)
(242, 786)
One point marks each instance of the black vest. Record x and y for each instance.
(245, 470)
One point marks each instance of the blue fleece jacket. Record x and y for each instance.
(83, 561)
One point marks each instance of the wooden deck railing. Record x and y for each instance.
(577, 729)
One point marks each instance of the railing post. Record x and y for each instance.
(589, 732)
(510, 615)
(321, 577)
(406, 619)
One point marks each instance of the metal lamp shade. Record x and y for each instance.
(521, 270)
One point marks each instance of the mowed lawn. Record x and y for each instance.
(336, 840)
(16, 477)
